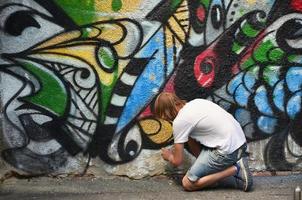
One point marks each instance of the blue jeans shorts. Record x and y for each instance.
(211, 161)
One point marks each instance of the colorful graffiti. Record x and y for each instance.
(73, 84)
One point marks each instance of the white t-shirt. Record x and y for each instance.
(209, 124)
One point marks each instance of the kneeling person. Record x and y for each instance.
(202, 122)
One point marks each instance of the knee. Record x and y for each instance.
(186, 184)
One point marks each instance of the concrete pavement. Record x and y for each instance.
(159, 187)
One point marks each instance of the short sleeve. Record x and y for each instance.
(181, 130)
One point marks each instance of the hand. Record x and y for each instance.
(166, 153)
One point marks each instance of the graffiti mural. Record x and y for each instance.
(81, 77)
(251, 69)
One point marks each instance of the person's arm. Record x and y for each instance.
(175, 157)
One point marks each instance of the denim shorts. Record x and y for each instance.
(211, 161)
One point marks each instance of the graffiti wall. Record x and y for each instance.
(79, 77)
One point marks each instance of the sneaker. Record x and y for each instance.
(244, 174)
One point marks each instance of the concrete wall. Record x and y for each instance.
(78, 78)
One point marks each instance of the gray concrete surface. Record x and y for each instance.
(160, 187)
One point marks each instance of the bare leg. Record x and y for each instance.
(207, 180)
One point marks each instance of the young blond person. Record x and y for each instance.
(202, 123)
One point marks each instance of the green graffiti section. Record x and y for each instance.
(175, 4)
(249, 30)
(247, 63)
(52, 95)
(106, 96)
(205, 3)
(81, 12)
(116, 5)
(106, 58)
(268, 52)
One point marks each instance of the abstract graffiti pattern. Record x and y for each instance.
(74, 84)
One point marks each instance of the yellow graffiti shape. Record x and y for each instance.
(251, 1)
(157, 130)
(179, 23)
(89, 42)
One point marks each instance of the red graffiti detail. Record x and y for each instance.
(147, 112)
(205, 67)
(169, 87)
(296, 5)
(201, 14)
(235, 69)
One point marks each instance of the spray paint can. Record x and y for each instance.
(297, 195)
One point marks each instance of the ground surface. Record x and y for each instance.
(160, 187)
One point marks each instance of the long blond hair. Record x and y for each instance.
(167, 105)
